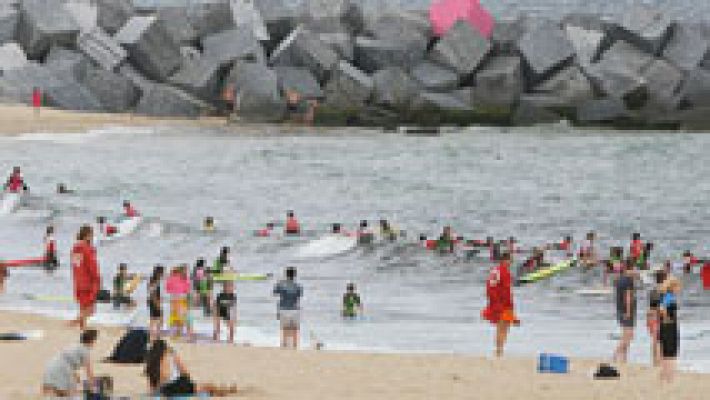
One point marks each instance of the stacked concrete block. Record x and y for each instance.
(663, 81)
(299, 80)
(257, 95)
(332, 15)
(586, 43)
(44, 23)
(281, 18)
(113, 14)
(394, 88)
(102, 49)
(568, 88)
(695, 90)
(210, 16)
(545, 48)
(303, 49)
(349, 87)
(233, 45)
(646, 27)
(688, 46)
(11, 57)
(462, 49)
(245, 14)
(597, 111)
(432, 101)
(401, 25)
(340, 42)
(177, 24)
(618, 72)
(85, 13)
(161, 100)
(115, 92)
(202, 77)
(8, 23)
(435, 78)
(374, 54)
(138, 79)
(150, 47)
(506, 35)
(71, 95)
(499, 84)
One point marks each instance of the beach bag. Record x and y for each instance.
(606, 371)
(132, 348)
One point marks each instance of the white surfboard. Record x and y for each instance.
(327, 246)
(124, 227)
(595, 292)
(10, 202)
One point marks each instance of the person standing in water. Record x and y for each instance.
(588, 251)
(85, 270)
(51, 261)
(669, 334)
(653, 317)
(225, 309)
(128, 210)
(625, 311)
(222, 262)
(292, 225)
(15, 183)
(289, 308)
(352, 305)
(500, 310)
(155, 304)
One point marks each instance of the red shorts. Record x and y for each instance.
(495, 315)
(85, 298)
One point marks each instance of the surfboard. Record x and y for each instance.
(28, 262)
(548, 272)
(236, 276)
(124, 227)
(595, 292)
(327, 246)
(48, 298)
(10, 202)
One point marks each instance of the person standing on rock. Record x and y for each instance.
(85, 270)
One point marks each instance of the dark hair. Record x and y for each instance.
(225, 250)
(126, 203)
(636, 236)
(158, 272)
(351, 287)
(291, 273)
(336, 227)
(269, 225)
(289, 213)
(85, 233)
(89, 336)
(200, 263)
(660, 276)
(422, 237)
(122, 266)
(101, 220)
(50, 230)
(505, 256)
(153, 359)
(590, 235)
(363, 223)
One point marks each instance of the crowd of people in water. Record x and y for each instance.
(205, 287)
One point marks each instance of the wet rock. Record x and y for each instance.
(44, 23)
(102, 49)
(8, 23)
(299, 80)
(161, 100)
(374, 54)
(202, 77)
(113, 14)
(687, 47)
(462, 49)
(348, 87)
(71, 95)
(394, 88)
(232, 45)
(438, 102)
(663, 81)
(342, 43)
(332, 15)
(178, 25)
(150, 47)
(545, 48)
(11, 57)
(435, 78)
(210, 16)
(257, 93)
(646, 27)
(116, 93)
(281, 18)
(602, 111)
(499, 83)
(303, 49)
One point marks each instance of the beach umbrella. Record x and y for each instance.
(443, 14)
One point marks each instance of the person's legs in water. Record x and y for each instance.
(292, 335)
(622, 350)
(502, 329)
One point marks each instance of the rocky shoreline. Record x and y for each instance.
(639, 70)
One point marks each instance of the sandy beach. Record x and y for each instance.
(266, 373)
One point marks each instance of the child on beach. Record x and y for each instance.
(225, 309)
(60, 377)
(155, 306)
(178, 287)
(352, 305)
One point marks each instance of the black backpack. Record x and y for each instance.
(606, 371)
(132, 348)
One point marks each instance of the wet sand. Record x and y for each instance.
(266, 373)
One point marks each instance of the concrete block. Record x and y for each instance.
(67, 64)
(695, 90)
(8, 24)
(663, 81)
(166, 101)
(332, 15)
(586, 43)
(430, 101)
(115, 92)
(602, 111)
(17, 84)
(178, 25)
(11, 57)
(71, 95)
(342, 43)
(257, 96)
(190, 53)
(281, 18)
(148, 7)
(462, 49)
(570, 87)
(394, 88)
(138, 79)
(529, 112)
(211, 16)
(102, 49)
(348, 87)
(246, 14)
(399, 25)
(646, 27)
(688, 46)
(299, 80)
(499, 83)
(374, 54)
(506, 35)
(113, 14)
(44, 23)
(150, 47)
(84, 12)
(545, 48)
(618, 72)
(202, 77)
(435, 78)
(232, 45)
(303, 49)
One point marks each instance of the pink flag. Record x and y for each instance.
(443, 14)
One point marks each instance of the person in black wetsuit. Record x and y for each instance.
(669, 334)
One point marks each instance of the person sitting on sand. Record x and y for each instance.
(168, 376)
(120, 296)
(225, 309)
(60, 376)
(352, 305)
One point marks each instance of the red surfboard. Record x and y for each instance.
(705, 273)
(23, 263)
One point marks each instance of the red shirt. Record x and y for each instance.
(636, 248)
(85, 268)
(15, 183)
(498, 288)
(263, 232)
(36, 98)
(564, 245)
(430, 244)
(51, 245)
(292, 225)
(705, 273)
(131, 212)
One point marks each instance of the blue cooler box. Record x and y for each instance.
(552, 363)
